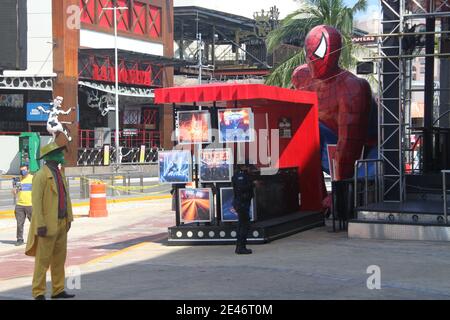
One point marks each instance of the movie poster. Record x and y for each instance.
(216, 165)
(194, 127)
(175, 167)
(196, 205)
(236, 125)
(228, 213)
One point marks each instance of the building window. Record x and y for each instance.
(414, 73)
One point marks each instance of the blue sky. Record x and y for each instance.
(247, 7)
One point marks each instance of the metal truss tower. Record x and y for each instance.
(395, 78)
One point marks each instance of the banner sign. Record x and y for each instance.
(34, 115)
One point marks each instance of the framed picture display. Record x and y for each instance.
(227, 212)
(194, 127)
(236, 125)
(285, 127)
(216, 165)
(196, 205)
(175, 167)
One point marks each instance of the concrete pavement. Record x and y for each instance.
(125, 256)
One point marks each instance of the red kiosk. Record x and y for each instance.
(289, 198)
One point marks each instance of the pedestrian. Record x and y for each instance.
(22, 192)
(50, 223)
(243, 194)
(173, 192)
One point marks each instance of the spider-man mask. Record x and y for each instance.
(323, 48)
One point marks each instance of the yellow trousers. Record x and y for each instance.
(50, 252)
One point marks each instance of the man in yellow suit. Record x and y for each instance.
(50, 223)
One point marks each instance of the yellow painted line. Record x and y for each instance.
(115, 178)
(116, 253)
(139, 199)
(143, 198)
(8, 214)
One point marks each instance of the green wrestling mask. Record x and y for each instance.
(57, 156)
(52, 152)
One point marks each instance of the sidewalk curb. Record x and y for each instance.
(7, 214)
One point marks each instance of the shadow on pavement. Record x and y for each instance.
(156, 238)
(8, 242)
(311, 265)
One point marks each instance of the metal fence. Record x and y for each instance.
(129, 182)
(368, 188)
(96, 156)
(124, 184)
(444, 193)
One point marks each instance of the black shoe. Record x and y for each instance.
(40, 297)
(328, 213)
(243, 251)
(19, 243)
(63, 295)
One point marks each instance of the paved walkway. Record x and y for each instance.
(125, 256)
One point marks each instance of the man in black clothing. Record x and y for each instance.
(243, 194)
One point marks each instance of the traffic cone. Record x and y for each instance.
(97, 203)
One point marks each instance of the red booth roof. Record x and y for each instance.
(256, 94)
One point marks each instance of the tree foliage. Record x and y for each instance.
(294, 28)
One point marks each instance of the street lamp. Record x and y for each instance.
(118, 152)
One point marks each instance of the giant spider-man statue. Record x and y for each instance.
(344, 100)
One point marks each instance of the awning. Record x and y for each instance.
(246, 94)
(27, 83)
(136, 56)
(123, 90)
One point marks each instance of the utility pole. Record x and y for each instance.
(118, 151)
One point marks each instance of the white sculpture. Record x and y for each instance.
(53, 124)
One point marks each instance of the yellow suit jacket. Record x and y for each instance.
(45, 207)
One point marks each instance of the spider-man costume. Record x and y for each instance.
(344, 99)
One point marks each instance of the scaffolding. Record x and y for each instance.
(395, 88)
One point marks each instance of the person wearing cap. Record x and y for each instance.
(50, 223)
(23, 207)
(243, 194)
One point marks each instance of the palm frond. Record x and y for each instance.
(281, 76)
(361, 5)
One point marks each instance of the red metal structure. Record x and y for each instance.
(269, 104)
(142, 20)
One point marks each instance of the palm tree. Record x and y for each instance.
(294, 28)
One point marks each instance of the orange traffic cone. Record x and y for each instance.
(98, 200)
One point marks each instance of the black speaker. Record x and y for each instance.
(364, 67)
(445, 37)
(13, 35)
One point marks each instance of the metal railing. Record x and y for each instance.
(95, 156)
(444, 193)
(117, 184)
(377, 187)
(129, 139)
